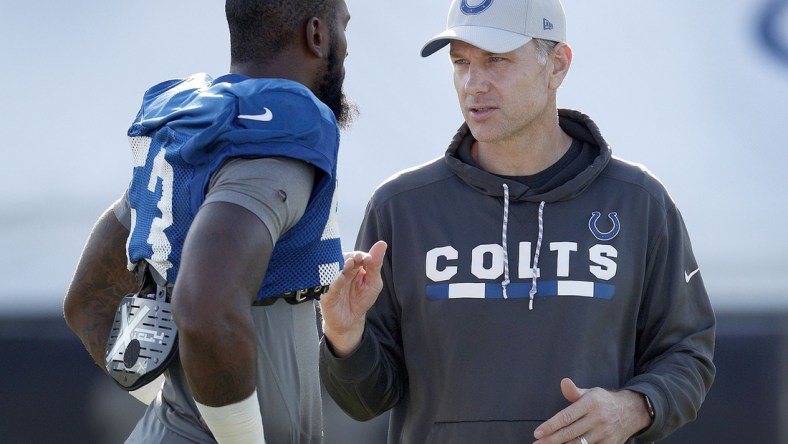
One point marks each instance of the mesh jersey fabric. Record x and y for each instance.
(187, 128)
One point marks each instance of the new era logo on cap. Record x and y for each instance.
(547, 25)
(500, 26)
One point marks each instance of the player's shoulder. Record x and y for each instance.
(281, 105)
(279, 99)
(194, 82)
(170, 96)
(169, 103)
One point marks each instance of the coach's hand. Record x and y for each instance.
(345, 304)
(598, 415)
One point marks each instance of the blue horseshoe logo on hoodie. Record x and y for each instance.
(473, 10)
(600, 235)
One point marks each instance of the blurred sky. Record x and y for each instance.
(696, 90)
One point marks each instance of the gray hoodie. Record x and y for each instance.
(495, 290)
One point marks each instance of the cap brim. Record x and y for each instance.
(489, 39)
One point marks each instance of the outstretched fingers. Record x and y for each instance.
(355, 290)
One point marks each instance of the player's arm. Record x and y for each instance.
(224, 259)
(250, 203)
(100, 281)
(223, 263)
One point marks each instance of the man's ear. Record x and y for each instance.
(317, 37)
(561, 61)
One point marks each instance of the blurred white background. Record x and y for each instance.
(696, 90)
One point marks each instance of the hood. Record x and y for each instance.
(574, 123)
(578, 126)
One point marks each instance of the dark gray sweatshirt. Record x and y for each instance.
(495, 289)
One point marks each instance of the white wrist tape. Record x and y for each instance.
(148, 392)
(239, 423)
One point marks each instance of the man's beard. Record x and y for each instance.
(330, 91)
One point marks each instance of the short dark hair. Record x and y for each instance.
(260, 29)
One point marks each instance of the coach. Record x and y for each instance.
(534, 287)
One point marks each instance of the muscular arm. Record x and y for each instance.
(101, 280)
(223, 264)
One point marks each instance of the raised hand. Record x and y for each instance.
(345, 304)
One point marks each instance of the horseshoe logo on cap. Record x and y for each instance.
(473, 10)
(600, 235)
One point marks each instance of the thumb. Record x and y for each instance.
(377, 251)
(570, 391)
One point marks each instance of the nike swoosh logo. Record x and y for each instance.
(688, 276)
(266, 116)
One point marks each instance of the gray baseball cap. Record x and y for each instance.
(500, 26)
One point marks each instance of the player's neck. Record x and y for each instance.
(279, 68)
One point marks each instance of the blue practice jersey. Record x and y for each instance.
(187, 128)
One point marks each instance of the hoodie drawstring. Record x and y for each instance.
(535, 270)
(504, 244)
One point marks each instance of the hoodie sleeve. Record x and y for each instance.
(372, 379)
(676, 332)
